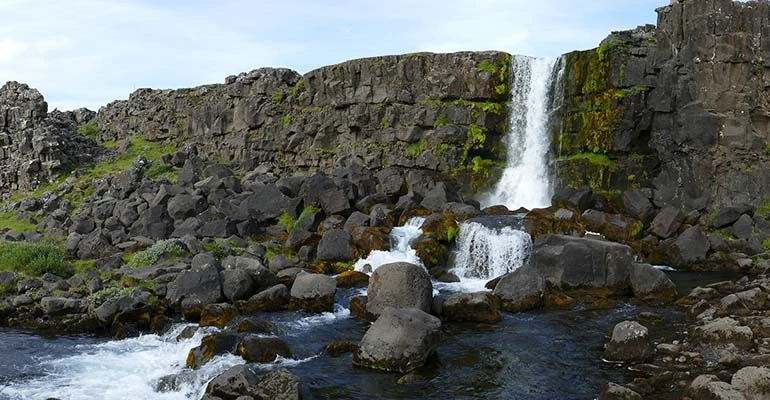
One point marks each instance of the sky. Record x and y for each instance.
(87, 53)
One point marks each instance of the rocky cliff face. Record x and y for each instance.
(681, 107)
(437, 112)
(35, 145)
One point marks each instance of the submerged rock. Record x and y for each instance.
(401, 340)
(630, 342)
(472, 307)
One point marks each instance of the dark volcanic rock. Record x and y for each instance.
(399, 285)
(630, 341)
(400, 340)
(313, 292)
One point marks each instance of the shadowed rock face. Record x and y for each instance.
(680, 107)
(368, 111)
(36, 145)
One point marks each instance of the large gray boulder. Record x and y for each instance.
(271, 299)
(242, 277)
(692, 246)
(521, 290)
(630, 341)
(580, 263)
(708, 387)
(651, 284)
(241, 382)
(399, 285)
(197, 286)
(723, 332)
(313, 292)
(667, 222)
(753, 382)
(401, 339)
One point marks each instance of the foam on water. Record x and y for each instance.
(401, 238)
(296, 327)
(123, 369)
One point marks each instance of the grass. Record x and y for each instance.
(441, 121)
(593, 158)
(415, 149)
(764, 210)
(9, 220)
(289, 223)
(160, 170)
(161, 249)
(34, 259)
(89, 130)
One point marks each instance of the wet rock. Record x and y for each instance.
(613, 226)
(651, 284)
(350, 279)
(279, 385)
(358, 308)
(263, 349)
(613, 391)
(752, 382)
(630, 341)
(313, 293)
(212, 345)
(217, 315)
(337, 349)
(472, 307)
(237, 381)
(401, 339)
(399, 285)
(272, 299)
(521, 290)
(723, 332)
(254, 325)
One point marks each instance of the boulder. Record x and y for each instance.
(401, 340)
(197, 286)
(349, 279)
(472, 307)
(259, 349)
(212, 345)
(614, 226)
(638, 205)
(313, 292)
(613, 391)
(279, 385)
(272, 299)
(54, 305)
(183, 206)
(399, 285)
(521, 290)
(692, 246)
(726, 217)
(723, 332)
(244, 276)
(580, 263)
(667, 222)
(651, 284)
(240, 382)
(217, 315)
(630, 341)
(752, 382)
(707, 387)
(237, 381)
(335, 245)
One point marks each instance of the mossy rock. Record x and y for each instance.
(543, 221)
(442, 227)
(336, 349)
(349, 279)
(212, 345)
(366, 239)
(430, 251)
(218, 315)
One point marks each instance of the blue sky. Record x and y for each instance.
(90, 52)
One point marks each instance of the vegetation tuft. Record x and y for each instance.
(34, 259)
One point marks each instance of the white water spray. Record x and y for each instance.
(485, 253)
(401, 238)
(525, 181)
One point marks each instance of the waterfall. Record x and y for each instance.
(485, 252)
(525, 181)
(401, 238)
(496, 245)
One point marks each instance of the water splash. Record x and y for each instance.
(484, 253)
(526, 181)
(401, 238)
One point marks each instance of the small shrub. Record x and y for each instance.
(34, 258)
(766, 244)
(100, 297)
(415, 149)
(151, 255)
(442, 121)
(89, 130)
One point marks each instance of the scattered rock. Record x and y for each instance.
(399, 285)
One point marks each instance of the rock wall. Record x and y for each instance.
(436, 112)
(35, 145)
(681, 108)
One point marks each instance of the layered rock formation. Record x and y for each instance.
(681, 107)
(36, 146)
(437, 112)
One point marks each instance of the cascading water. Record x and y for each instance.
(484, 251)
(525, 181)
(401, 238)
